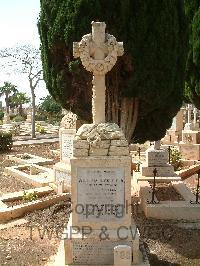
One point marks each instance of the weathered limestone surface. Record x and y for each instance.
(157, 158)
(122, 255)
(98, 52)
(100, 168)
(62, 170)
(105, 139)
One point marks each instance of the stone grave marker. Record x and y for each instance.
(122, 255)
(67, 131)
(157, 157)
(100, 169)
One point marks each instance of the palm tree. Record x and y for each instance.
(7, 89)
(18, 99)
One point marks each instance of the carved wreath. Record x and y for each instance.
(99, 67)
(69, 121)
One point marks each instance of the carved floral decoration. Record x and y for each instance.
(98, 67)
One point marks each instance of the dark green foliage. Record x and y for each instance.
(192, 87)
(49, 105)
(154, 33)
(1, 115)
(5, 141)
(49, 110)
(18, 118)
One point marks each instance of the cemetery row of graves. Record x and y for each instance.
(110, 202)
(35, 178)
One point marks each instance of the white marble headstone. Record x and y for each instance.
(66, 146)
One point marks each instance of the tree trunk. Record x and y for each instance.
(7, 104)
(20, 110)
(33, 112)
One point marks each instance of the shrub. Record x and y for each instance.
(1, 115)
(29, 196)
(40, 129)
(15, 130)
(18, 118)
(6, 141)
(40, 117)
(175, 158)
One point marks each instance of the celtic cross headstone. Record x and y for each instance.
(98, 52)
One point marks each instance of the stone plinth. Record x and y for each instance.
(163, 171)
(191, 137)
(62, 172)
(87, 246)
(101, 197)
(190, 151)
(157, 158)
(6, 119)
(29, 118)
(122, 255)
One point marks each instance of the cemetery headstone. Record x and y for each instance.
(67, 131)
(157, 157)
(100, 169)
(6, 118)
(174, 133)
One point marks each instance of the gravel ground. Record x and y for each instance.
(36, 241)
(167, 243)
(11, 184)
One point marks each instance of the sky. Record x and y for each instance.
(18, 26)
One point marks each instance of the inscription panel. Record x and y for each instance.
(95, 252)
(157, 157)
(100, 194)
(66, 146)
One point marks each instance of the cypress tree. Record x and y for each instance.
(192, 85)
(145, 88)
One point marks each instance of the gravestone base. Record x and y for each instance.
(176, 136)
(191, 137)
(157, 158)
(163, 171)
(190, 151)
(62, 172)
(29, 118)
(87, 246)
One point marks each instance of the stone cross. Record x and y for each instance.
(157, 145)
(195, 116)
(189, 109)
(98, 52)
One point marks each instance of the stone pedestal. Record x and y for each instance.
(88, 246)
(191, 137)
(157, 159)
(62, 170)
(122, 255)
(6, 119)
(174, 134)
(190, 146)
(190, 151)
(101, 198)
(29, 118)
